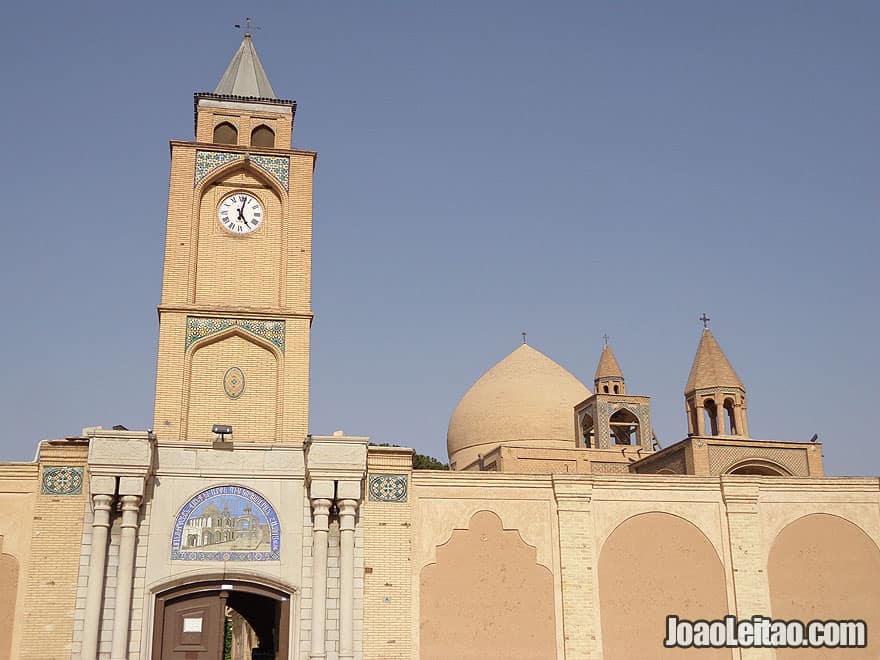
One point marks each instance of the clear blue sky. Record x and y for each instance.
(566, 168)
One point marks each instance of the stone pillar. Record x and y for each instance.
(130, 490)
(347, 511)
(320, 530)
(719, 418)
(701, 420)
(102, 489)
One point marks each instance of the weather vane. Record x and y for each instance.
(705, 319)
(247, 26)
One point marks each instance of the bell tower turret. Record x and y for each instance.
(715, 397)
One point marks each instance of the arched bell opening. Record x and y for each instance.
(711, 416)
(225, 133)
(263, 137)
(730, 427)
(588, 431)
(625, 429)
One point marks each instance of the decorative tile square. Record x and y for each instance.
(388, 488)
(62, 480)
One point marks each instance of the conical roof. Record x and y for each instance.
(525, 396)
(711, 367)
(608, 367)
(245, 75)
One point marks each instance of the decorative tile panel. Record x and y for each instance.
(388, 488)
(233, 382)
(226, 523)
(276, 166)
(199, 327)
(62, 480)
(208, 161)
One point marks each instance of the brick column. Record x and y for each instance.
(577, 558)
(130, 489)
(751, 589)
(102, 489)
(321, 511)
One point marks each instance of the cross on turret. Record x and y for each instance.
(705, 319)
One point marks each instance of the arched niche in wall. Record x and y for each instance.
(652, 565)
(486, 597)
(233, 378)
(824, 567)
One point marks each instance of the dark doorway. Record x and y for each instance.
(225, 620)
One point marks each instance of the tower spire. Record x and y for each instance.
(245, 75)
(715, 398)
(609, 375)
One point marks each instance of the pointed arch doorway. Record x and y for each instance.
(221, 620)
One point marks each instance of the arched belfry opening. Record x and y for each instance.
(225, 133)
(625, 428)
(263, 137)
(588, 431)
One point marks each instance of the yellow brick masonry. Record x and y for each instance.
(208, 272)
(19, 485)
(388, 607)
(577, 554)
(748, 559)
(50, 598)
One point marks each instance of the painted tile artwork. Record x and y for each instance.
(226, 523)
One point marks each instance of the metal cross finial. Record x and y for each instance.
(705, 319)
(605, 337)
(524, 337)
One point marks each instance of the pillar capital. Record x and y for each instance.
(101, 506)
(321, 513)
(347, 511)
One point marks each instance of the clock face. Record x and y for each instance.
(240, 213)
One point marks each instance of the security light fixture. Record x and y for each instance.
(222, 430)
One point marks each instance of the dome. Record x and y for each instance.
(524, 400)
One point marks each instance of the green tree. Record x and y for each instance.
(419, 461)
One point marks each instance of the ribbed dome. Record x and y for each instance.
(526, 400)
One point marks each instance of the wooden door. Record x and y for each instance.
(193, 627)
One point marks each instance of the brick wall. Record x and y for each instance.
(47, 630)
(388, 607)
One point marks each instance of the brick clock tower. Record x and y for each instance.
(235, 313)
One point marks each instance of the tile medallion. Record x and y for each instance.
(388, 487)
(276, 166)
(199, 327)
(208, 161)
(233, 382)
(226, 523)
(62, 480)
